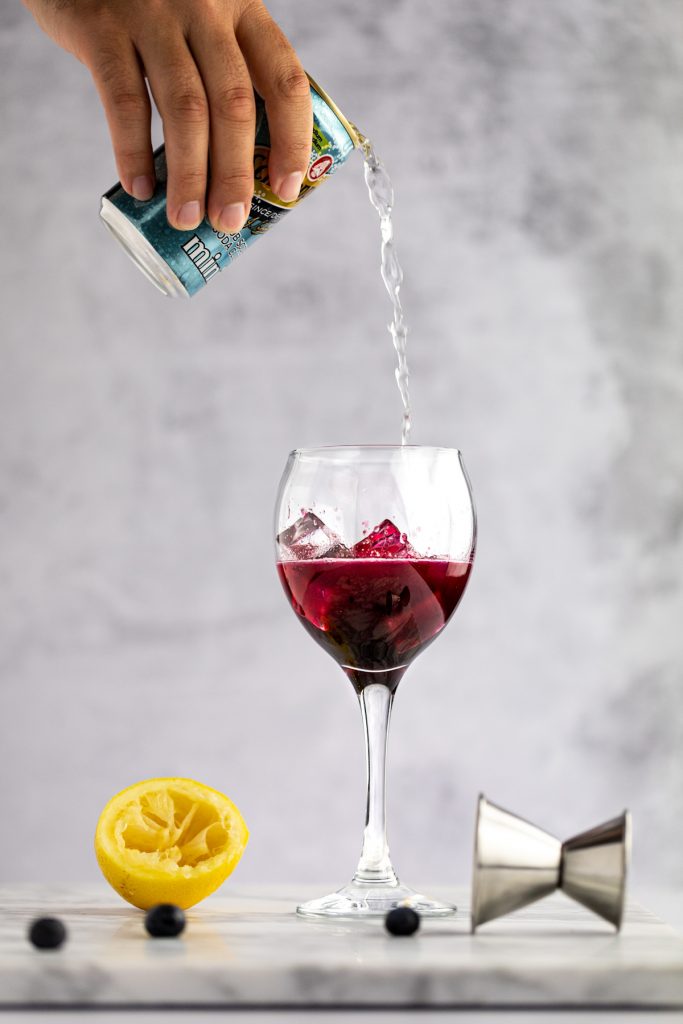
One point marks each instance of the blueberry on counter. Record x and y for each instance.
(47, 933)
(402, 921)
(164, 921)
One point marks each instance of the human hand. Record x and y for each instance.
(202, 59)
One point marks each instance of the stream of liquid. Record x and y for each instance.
(381, 193)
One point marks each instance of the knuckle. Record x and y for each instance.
(240, 183)
(291, 82)
(234, 103)
(188, 179)
(126, 100)
(107, 64)
(127, 104)
(188, 105)
(133, 157)
(292, 155)
(256, 13)
(297, 152)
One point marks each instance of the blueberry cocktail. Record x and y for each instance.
(374, 606)
(374, 596)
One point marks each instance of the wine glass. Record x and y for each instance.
(374, 550)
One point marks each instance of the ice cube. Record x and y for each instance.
(308, 537)
(385, 541)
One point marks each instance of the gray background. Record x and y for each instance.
(536, 153)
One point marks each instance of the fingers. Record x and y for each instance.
(180, 96)
(281, 81)
(201, 80)
(232, 115)
(116, 72)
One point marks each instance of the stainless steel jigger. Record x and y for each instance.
(516, 863)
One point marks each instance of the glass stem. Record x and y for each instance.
(374, 865)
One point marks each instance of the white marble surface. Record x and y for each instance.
(337, 1016)
(249, 949)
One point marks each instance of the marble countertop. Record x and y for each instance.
(247, 948)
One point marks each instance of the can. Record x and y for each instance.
(180, 263)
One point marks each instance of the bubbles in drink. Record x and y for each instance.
(381, 194)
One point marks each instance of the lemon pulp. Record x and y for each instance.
(169, 841)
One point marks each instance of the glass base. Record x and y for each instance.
(357, 900)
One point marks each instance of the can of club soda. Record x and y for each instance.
(179, 263)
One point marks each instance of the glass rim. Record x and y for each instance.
(346, 448)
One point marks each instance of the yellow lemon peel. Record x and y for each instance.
(169, 841)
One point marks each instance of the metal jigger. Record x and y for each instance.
(516, 863)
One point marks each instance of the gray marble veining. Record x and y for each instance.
(249, 948)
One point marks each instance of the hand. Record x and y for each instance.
(202, 59)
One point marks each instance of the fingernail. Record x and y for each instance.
(143, 187)
(189, 215)
(232, 217)
(290, 186)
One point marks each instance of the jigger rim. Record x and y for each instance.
(617, 904)
(625, 866)
(475, 908)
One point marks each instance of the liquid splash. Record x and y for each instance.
(381, 194)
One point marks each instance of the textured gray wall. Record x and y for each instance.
(536, 150)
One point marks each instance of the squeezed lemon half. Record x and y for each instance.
(169, 841)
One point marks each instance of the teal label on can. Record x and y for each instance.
(195, 257)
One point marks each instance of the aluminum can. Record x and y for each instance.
(180, 263)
